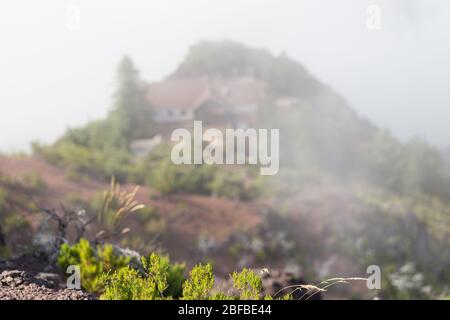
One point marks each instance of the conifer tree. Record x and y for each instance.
(131, 114)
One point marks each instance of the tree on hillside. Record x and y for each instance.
(101, 148)
(130, 117)
(131, 114)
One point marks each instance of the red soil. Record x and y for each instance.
(187, 216)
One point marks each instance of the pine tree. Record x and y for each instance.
(132, 114)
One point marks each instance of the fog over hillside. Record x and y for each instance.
(142, 182)
(52, 76)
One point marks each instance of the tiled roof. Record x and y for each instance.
(190, 93)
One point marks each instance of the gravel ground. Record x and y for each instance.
(20, 285)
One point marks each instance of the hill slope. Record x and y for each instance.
(319, 130)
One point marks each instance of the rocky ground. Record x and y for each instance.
(21, 285)
(28, 278)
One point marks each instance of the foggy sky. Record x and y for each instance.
(52, 77)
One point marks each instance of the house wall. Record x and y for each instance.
(142, 147)
(172, 115)
(245, 109)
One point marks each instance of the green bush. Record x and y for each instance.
(80, 161)
(248, 283)
(162, 280)
(159, 280)
(33, 180)
(175, 278)
(170, 178)
(199, 284)
(126, 284)
(236, 185)
(92, 262)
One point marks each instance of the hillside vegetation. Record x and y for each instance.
(348, 193)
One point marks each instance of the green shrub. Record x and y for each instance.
(175, 278)
(159, 280)
(199, 284)
(33, 180)
(236, 185)
(81, 161)
(228, 186)
(126, 284)
(129, 284)
(170, 178)
(92, 262)
(248, 283)
(205, 179)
